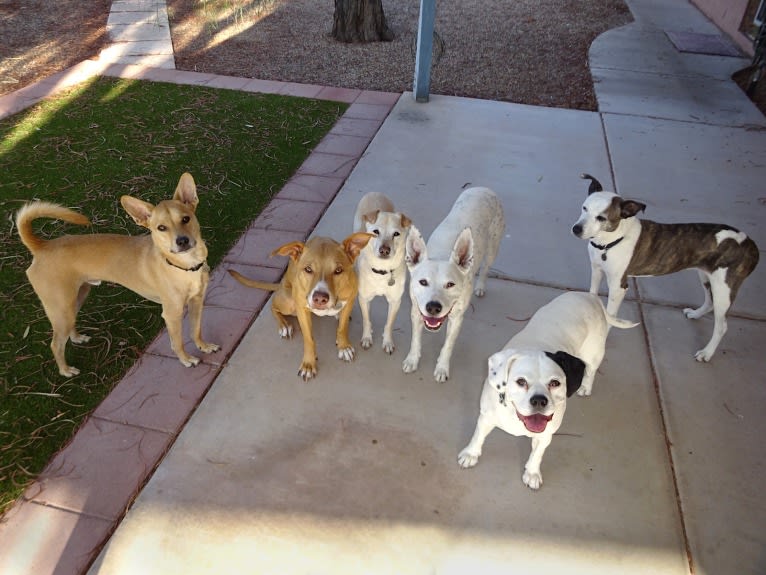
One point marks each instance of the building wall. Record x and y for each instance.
(727, 15)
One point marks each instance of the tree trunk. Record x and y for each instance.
(360, 21)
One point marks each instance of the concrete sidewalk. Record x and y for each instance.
(355, 472)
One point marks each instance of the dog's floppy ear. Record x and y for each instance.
(405, 221)
(573, 367)
(595, 185)
(415, 248)
(499, 363)
(139, 210)
(462, 251)
(293, 249)
(629, 208)
(186, 191)
(370, 217)
(355, 243)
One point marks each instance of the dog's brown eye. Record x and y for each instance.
(554, 383)
(423, 282)
(376, 232)
(308, 270)
(338, 271)
(600, 219)
(185, 220)
(162, 228)
(521, 382)
(450, 285)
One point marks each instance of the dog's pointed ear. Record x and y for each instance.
(595, 185)
(186, 191)
(405, 221)
(415, 248)
(139, 210)
(462, 251)
(293, 250)
(629, 208)
(573, 367)
(354, 244)
(370, 217)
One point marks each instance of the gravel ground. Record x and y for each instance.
(525, 51)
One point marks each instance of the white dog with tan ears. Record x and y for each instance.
(380, 266)
(528, 381)
(442, 272)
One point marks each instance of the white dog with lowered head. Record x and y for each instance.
(380, 266)
(529, 380)
(442, 272)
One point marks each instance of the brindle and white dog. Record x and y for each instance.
(621, 245)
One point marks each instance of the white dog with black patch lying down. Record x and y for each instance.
(621, 245)
(529, 380)
(442, 272)
(380, 266)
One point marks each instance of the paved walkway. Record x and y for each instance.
(658, 472)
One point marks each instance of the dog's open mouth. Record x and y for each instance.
(535, 423)
(433, 323)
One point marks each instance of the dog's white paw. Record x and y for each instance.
(532, 480)
(306, 372)
(190, 361)
(79, 338)
(69, 371)
(205, 347)
(479, 292)
(410, 364)
(441, 374)
(703, 355)
(584, 392)
(692, 313)
(346, 353)
(366, 342)
(467, 459)
(286, 332)
(388, 346)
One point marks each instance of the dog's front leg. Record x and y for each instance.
(596, 275)
(412, 360)
(532, 476)
(196, 305)
(616, 294)
(455, 321)
(173, 316)
(471, 452)
(364, 306)
(308, 367)
(345, 349)
(388, 336)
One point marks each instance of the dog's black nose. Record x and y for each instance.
(538, 401)
(434, 307)
(320, 298)
(182, 242)
(577, 230)
(384, 250)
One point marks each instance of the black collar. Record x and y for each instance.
(196, 268)
(382, 272)
(607, 247)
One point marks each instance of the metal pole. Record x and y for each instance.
(424, 50)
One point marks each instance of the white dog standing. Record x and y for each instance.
(442, 272)
(529, 380)
(380, 267)
(621, 245)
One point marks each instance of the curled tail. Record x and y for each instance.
(253, 283)
(35, 210)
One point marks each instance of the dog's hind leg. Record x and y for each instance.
(489, 258)
(721, 294)
(74, 335)
(707, 306)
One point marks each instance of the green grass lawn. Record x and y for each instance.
(84, 149)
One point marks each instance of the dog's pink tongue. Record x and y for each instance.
(432, 321)
(535, 423)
